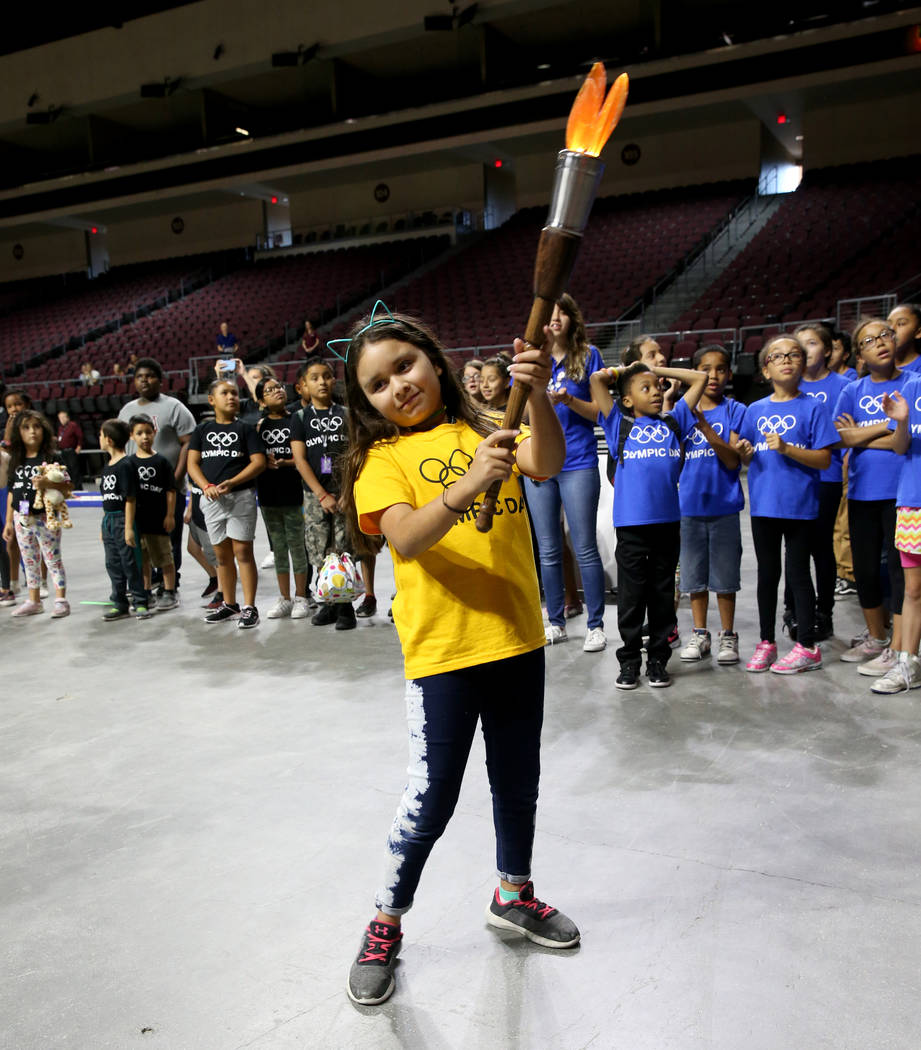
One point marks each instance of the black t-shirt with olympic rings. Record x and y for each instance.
(20, 483)
(154, 478)
(279, 487)
(116, 484)
(325, 433)
(225, 449)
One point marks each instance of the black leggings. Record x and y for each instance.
(872, 525)
(822, 550)
(769, 535)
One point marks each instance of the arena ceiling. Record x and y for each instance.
(290, 103)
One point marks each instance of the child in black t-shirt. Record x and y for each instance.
(118, 488)
(280, 500)
(31, 445)
(156, 510)
(225, 458)
(319, 437)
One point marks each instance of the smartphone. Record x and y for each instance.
(227, 366)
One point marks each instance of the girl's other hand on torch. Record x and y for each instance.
(531, 366)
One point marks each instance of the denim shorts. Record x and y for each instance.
(711, 554)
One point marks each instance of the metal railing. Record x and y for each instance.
(849, 311)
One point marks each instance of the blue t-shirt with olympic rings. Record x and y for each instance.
(909, 491)
(826, 391)
(707, 487)
(646, 482)
(778, 486)
(873, 473)
(581, 443)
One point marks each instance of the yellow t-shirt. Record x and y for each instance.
(472, 597)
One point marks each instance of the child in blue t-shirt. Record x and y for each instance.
(710, 497)
(824, 386)
(786, 439)
(646, 509)
(873, 481)
(905, 409)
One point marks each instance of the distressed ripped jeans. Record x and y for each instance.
(442, 710)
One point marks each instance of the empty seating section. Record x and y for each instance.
(256, 301)
(845, 232)
(482, 296)
(111, 299)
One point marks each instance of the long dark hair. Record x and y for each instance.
(577, 349)
(367, 427)
(17, 447)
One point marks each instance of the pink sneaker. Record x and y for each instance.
(799, 658)
(61, 608)
(764, 655)
(28, 608)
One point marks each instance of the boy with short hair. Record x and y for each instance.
(646, 511)
(319, 437)
(117, 486)
(710, 498)
(156, 509)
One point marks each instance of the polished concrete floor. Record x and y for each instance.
(193, 821)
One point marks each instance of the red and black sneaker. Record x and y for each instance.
(532, 919)
(371, 979)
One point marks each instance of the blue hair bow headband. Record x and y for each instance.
(385, 317)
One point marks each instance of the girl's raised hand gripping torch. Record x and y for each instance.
(578, 172)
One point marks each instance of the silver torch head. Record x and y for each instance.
(574, 187)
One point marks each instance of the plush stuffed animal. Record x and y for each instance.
(53, 500)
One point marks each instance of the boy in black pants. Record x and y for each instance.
(646, 511)
(119, 540)
(156, 510)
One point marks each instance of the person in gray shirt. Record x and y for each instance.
(173, 428)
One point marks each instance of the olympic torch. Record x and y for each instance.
(578, 173)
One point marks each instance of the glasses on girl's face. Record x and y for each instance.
(271, 389)
(872, 340)
(789, 355)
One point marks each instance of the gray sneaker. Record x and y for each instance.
(167, 601)
(880, 665)
(371, 979)
(863, 647)
(532, 919)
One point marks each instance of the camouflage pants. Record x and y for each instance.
(322, 532)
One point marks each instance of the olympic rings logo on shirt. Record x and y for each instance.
(646, 435)
(147, 473)
(820, 396)
(776, 424)
(698, 437)
(30, 472)
(108, 483)
(222, 439)
(872, 405)
(326, 423)
(274, 437)
(440, 473)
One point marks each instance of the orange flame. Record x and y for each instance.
(593, 117)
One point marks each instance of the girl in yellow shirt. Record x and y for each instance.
(467, 611)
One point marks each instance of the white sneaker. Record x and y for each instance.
(698, 645)
(268, 562)
(555, 634)
(595, 640)
(729, 648)
(905, 674)
(300, 610)
(280, 609)
(883, 663)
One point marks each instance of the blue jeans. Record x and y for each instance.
(507, 696)
(577, 491)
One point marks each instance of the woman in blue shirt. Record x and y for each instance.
(578, 484)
